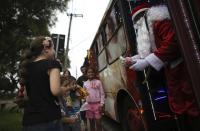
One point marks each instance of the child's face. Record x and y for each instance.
(66, 74)
(90, 74)
(73, 82)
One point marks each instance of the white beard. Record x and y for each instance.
(145, 38)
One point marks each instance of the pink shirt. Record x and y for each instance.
(95, 90)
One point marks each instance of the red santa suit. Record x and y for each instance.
(157, 46)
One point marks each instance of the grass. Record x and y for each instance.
(10, 121)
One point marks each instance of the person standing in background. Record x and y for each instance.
(83, 77)
(80, 82)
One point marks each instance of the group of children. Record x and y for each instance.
(53, 102)
(88, 99)
(91, 93)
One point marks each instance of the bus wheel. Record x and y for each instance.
(132, 118)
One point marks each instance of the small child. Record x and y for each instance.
(94, 101)
(71, 106)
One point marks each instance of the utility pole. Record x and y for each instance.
(71, 15)
(57, 44)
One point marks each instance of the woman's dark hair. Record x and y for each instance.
(36, 47)
(67, 71)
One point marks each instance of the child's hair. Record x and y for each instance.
(35, 49)
(67, 80)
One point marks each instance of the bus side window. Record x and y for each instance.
(100, 43)
(117, 45)
(112, 22)
(96, 51)
(102, 60)
(109, 28)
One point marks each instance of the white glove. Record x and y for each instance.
(129, 60)
(135, 57)
(140, 65)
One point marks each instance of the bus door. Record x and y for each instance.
(152, 86)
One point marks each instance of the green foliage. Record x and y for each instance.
(6, 86)
(10, 121)
(20, 21)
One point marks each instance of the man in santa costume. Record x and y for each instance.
(157, 47)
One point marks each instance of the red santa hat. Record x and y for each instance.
(139, 8)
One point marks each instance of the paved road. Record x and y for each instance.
(107, 125)
(110, 125)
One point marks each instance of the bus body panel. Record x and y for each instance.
(114, 79)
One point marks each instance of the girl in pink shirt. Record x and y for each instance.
(95, 99)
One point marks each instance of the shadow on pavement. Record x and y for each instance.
(110, 125)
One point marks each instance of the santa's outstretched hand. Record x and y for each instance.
(128, 61)
(139, 64)
(150, 60)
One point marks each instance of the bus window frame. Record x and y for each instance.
(117, 26)
(102, 33)
(106, 63)
(109, 42)
(102, 42)
(96, 49)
